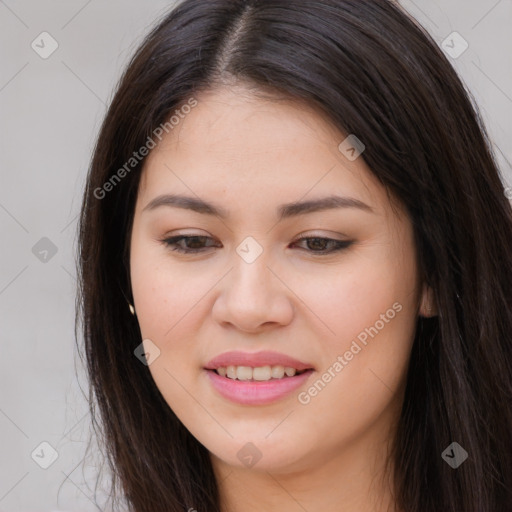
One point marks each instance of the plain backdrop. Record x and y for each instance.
(50, 111)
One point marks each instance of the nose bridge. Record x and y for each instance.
(251, 276)
(252, 295)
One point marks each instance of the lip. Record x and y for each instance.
(256, 392)
(255, 359)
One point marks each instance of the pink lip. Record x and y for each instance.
(256, 392)
(254, 359)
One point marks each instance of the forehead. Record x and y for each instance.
(233, 121)
(259, 148)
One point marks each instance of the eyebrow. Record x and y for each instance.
(285, 211)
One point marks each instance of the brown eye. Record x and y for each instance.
(321, 245)
(193, 244)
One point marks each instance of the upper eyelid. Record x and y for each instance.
(301, 235)
(298, 237)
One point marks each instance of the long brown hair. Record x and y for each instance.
(376, 73)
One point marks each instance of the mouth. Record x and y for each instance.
(257, 387)
(256, 378)
(259, 373)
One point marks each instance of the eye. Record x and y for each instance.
(195, 244)
(197, 241)
(319, 245)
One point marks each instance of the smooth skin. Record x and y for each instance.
(249, 155)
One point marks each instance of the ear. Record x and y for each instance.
(428, 306)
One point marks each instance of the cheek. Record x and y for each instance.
(352, 296)
(369, 307)
(364, 364)
(169, 310)
(164, 291)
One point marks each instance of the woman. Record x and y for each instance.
(295, 268)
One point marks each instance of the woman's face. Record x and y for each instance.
(346, 310)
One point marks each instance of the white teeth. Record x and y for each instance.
(243, 372)
(277, 372)
(259, 373)
(231, 372)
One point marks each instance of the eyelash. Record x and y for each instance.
(172, 243)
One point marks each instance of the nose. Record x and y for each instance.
(253, 297)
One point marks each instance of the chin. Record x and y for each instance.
(260, 455)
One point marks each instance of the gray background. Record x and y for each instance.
(50, 111)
